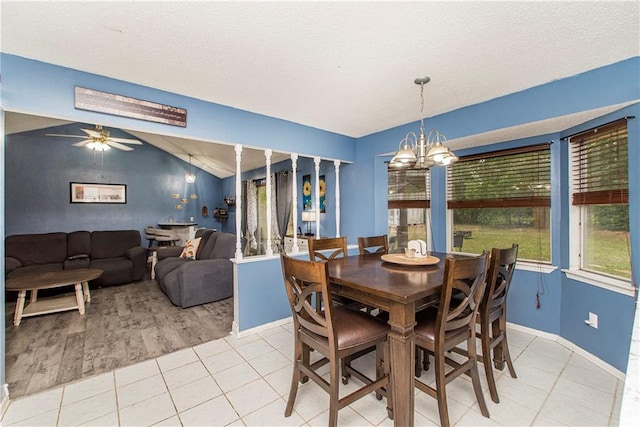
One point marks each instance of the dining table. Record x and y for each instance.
(401, 287)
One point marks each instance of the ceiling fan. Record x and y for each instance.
(99, 139)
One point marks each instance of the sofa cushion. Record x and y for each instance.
(113, 244)
(209, 246)
(36, 249)
(225, 247)
(78, 244)
(116, 270)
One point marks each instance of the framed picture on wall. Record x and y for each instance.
(323, 193)
(83, 192)
(306, 192)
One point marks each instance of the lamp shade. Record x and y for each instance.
(309, 216)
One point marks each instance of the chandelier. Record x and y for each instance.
(422, 152)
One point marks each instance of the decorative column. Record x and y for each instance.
(316, 160)
(267, 154)
(294, 199)
(336, 164)
(238, 149)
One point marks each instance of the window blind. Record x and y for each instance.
(508, 178)
(600, 165)
(409, 188)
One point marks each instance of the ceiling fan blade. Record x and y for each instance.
(66, 136)
(118, 145)
(92, 132)
(82, 143)
(125, 140)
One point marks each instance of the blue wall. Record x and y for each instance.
(39, 169)
(38, 88)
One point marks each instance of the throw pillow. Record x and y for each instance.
(191, 248)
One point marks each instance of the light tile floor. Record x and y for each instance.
(245, 382)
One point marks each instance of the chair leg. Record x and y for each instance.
(295, 379)
(306, 360)
(425, 361)
(475, 378)
(498, 356)
(380, 366)
(343, 368)
(485, 339)
(418, 364)
(334, 394)
(505, 347)
(441, 392)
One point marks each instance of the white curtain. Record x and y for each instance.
(252, 214)
(276, 238)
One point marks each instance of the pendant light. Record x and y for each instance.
(190, 177)
(422, 152)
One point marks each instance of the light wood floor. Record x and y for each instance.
(122, 325)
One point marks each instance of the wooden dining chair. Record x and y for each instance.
(492, 315)
(317, 252)
(440, 330)
(318, 248)
(334, 332)
(373, 244)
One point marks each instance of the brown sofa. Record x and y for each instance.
(118, 253)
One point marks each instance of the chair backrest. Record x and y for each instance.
(163, 235)
(339, 244)
(501, 268)
(464, 280)
(149, 232)
(373, 245)
(305, 281)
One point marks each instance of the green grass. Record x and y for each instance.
(533, 244)
(608, 251)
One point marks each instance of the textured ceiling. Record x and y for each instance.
(345, 67)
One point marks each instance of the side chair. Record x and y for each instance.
(373, 245)
(339, 247)
(334, 332)
(493, 315)
(440, 330)
(337, 244)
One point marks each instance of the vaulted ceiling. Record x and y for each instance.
(345, 67)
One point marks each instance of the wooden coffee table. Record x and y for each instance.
(78, 278)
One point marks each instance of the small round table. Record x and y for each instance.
(79, 278)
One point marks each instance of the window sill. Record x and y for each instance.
(535, 267)
(609, 283)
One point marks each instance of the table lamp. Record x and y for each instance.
(308, 217)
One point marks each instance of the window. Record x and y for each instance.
(600, 209)
(408, 204)
(503, 197)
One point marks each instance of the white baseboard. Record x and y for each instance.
(260, 328)
(4, 400)
(571, 346)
